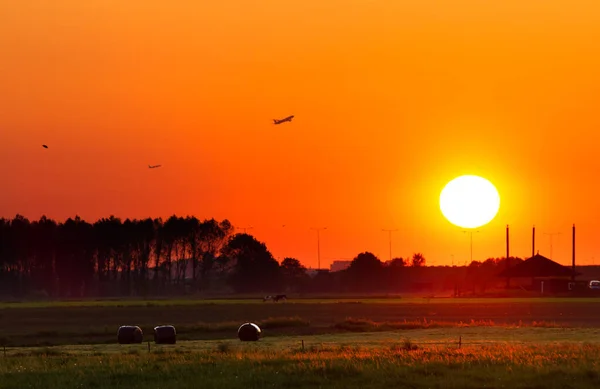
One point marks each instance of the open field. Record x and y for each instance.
(492, 357)
(323, 300)
(57, 323)
(448, 337)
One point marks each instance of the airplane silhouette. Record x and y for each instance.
(44, 146)
(153, 166)
(287, 119)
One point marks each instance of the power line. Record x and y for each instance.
(246, 228)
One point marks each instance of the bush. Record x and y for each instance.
(224, 348)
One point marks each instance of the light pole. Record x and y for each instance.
(318, 245)
(551, 234)
(246, 228)
(471, 233)
(390, 239)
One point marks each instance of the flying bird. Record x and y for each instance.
(44, 146)
(287, 119)
(154, 166)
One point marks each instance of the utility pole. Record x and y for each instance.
(390, 239)
(245, 228)
(551, 234)
(573, 275)
(507, 257)
(318, 244)
(471, 233)
(533, 242)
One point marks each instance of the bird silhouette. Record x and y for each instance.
(44, 146)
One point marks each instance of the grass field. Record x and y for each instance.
(329, 300)
(491, 357)
(96, 322)
(306, 343)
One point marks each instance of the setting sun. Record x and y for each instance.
(469, 201)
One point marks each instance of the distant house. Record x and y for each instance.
(313, 272)
(339, 266)
(589, 272)
(546, 275)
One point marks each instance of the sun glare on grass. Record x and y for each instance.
(469, 201)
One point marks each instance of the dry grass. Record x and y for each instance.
(98, 324)
(398, 365)
(232, 326)
(283, 322)
(366, 325)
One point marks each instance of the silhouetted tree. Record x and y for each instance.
(365, 273)
(418, 260)
(397, 263)
(255, 269)
(144, 236)
(396, 273)
(212, 238)
(44, 235)
(19, 259)
(294, 274)
(158, 248)
(149, 256)
(481, 275)
(75, 257)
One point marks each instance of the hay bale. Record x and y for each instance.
(165, 335)
(129, 335)
(249, 332)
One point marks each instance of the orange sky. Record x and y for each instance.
(392, 100)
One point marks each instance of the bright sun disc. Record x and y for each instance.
(469, 201)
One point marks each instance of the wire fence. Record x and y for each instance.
(459, 343)
(304, 346)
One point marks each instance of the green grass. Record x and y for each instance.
(273, 326)
(447, 336)
(490, 357)
(93, 324)
(366, 325)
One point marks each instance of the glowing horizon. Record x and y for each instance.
(390, 102)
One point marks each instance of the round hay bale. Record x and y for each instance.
(129, 335)
(249, 332)
(165, 335)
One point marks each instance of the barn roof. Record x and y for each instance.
(537, 266)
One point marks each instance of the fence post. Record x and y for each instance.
(302, 344)
(459, 341)
(4, 351)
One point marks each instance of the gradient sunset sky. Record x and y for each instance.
(392, 100)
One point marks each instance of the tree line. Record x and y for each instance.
(150, 257)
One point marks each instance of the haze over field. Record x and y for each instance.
(391, 99)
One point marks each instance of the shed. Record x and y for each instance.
(545, 274)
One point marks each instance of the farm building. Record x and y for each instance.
(339, 265)
(546, 276)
